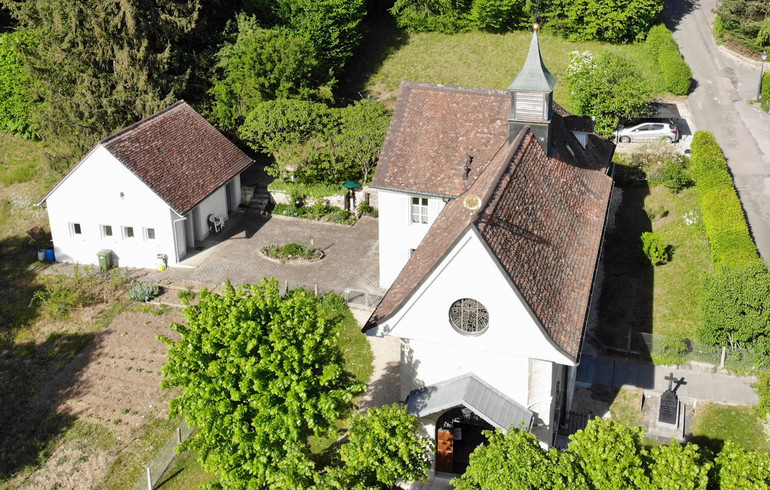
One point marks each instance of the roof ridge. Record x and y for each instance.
(143, 121)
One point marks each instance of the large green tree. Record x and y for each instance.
(100, 66)
(259, 373)
(608, 455)
(16, 86)
(736, 307)
(616, 21)
(383, 447)
(314, 143)
(609, 87)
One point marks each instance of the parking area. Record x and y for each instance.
(351, 255)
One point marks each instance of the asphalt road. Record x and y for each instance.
(724, 84)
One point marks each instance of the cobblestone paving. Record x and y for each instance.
(351, 255)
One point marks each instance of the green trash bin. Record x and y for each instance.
(105, 260)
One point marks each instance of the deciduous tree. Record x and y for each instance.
(259, 373)
(609, 87)
(383, 447)
(16, 86)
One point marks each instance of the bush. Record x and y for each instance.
(676, 73)
(144, 291)
(292, 251)
(16, 87)
(674, 174)
(726, 228)
(652, 248)
(763, 390)
(365, 209)
(187, 296)
(723, 218)
(671, 351)
(766, 86)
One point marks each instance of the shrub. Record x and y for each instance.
(187, 296)
(671, 351)
(366, 210)
(292, 251)
(763, 390)
(676, 73)
(766, 86)
(726, 228)
(144, 291)
(341, 216)
(709, 166)
(674, 174)
(652, 247)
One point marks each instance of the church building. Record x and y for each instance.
(493, 206)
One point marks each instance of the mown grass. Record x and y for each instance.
(626, 408)
(479, 59)
(679, 284)
(715, 423)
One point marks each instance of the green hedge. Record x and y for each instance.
(676, 74)
(726, 227)
(766, 86)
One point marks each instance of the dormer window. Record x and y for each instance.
(419, 210)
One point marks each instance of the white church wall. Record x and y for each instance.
(469, 272)
(398, 235)
(101, 192)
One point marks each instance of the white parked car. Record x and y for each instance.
(648, 131)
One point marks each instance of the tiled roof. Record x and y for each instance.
(543, 219)
(433, 130)
(471, 392)
(179, 155)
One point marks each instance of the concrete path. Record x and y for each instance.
(351, 255)
(701, 385)
(724, 84)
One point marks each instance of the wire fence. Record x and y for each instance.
(664, 349)
(163, 458)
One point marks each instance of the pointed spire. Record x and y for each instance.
(534, 77)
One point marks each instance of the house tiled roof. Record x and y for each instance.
(433, 130)
(179, 155)
(542, 218)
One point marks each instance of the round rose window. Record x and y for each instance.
(468, 316)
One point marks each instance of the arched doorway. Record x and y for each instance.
(458, 433)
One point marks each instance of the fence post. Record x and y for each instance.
(149, 479)
(178, 435)
(724, 355)
(628, 344)
(315, 289)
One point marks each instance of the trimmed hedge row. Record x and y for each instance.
(676, 73)
(728, 233)
(766, 86)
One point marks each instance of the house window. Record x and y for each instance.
(128, 232)
(149, 233)
(106, 231)
(468, 316)
(75, 229)
(420, 210)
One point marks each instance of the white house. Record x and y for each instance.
(147, 191)
(492, 210)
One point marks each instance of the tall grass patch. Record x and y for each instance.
(479, 59)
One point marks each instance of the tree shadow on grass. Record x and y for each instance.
(33, 377)
(381, 39)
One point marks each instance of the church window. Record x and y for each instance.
(468, 316)
(420, 210)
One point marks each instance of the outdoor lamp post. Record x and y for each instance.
(761, 72)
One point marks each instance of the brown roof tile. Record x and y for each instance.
(179, 155)
(433, 130)
(543, 219)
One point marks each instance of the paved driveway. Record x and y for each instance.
(724, 84)
(351, 255)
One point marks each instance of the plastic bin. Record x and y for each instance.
(41, 254)
(49, 255)
(105, 259)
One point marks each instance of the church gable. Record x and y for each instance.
(468, 301)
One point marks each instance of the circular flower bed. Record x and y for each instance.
(292, 251)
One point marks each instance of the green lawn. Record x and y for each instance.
(677, 285)
(715, 423)
(479, 59)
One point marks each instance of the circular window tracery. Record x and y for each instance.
(468, 316)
